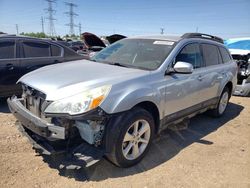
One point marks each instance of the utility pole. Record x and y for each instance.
(42, 22)
(197, 28)
(51, 12)
(80, 29)
(162, 31)
(71, 15)
(17, 29)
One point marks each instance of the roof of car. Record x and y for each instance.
(174, 38)
(23, 36)
(177, 38)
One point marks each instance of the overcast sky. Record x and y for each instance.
(225, 18)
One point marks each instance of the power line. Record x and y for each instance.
(51, 12)
(42, 22)
(71, 15)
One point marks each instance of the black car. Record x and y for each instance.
(20, 55)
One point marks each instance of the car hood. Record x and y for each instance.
(114, 38)
(67, 79)
(92, 40)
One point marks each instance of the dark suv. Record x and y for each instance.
(20, 55)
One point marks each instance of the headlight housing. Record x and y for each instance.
(80, 103)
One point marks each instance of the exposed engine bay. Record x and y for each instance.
(242, 58)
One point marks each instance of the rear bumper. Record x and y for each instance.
(34, 123)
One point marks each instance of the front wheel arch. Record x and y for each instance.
(115, 130)
(153, 110)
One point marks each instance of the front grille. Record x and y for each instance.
(33, 100)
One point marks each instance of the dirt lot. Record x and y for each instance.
(210, 153)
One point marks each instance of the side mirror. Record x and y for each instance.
(183, 67)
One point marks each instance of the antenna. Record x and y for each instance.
(51, 12)
(71, 15)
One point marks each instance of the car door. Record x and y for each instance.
(36, 54)
(9, 68)
(183, 90)
(212, 77)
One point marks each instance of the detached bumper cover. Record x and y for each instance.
(34, 123)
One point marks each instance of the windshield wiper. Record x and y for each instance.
(117, 64)
(92, 60)
(113, 63)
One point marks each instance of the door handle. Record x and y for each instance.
(200, 78)
(220, 77)
(10, 66)
(223, 73)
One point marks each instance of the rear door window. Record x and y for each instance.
(191, 54)
(35, 49)
(225, 55)
(7, 49)
(211, 54)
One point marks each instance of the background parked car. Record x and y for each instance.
(20, 55)
(77, 45)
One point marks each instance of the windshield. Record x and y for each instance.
(146, 54)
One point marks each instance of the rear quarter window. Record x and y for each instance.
(69, 53)
(225, 55)
(7, 49)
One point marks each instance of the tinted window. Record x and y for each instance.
(225, 55)
(7, 49)
(35, 49)
(191, 54)
(55, 50)
(211, 54)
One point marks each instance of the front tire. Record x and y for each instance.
(134, 137)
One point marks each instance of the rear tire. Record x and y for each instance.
(134, 138)
(222, 104)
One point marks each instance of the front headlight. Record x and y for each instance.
(79, 103)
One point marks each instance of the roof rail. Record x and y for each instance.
(202, 35)
(6, 35)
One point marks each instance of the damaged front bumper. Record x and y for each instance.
(32, 122)
(50, 139)
(243, 89)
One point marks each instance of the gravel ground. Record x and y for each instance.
(210, 153)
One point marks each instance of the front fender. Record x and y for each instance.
(123, 99)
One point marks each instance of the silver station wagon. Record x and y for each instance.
(115, 104)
